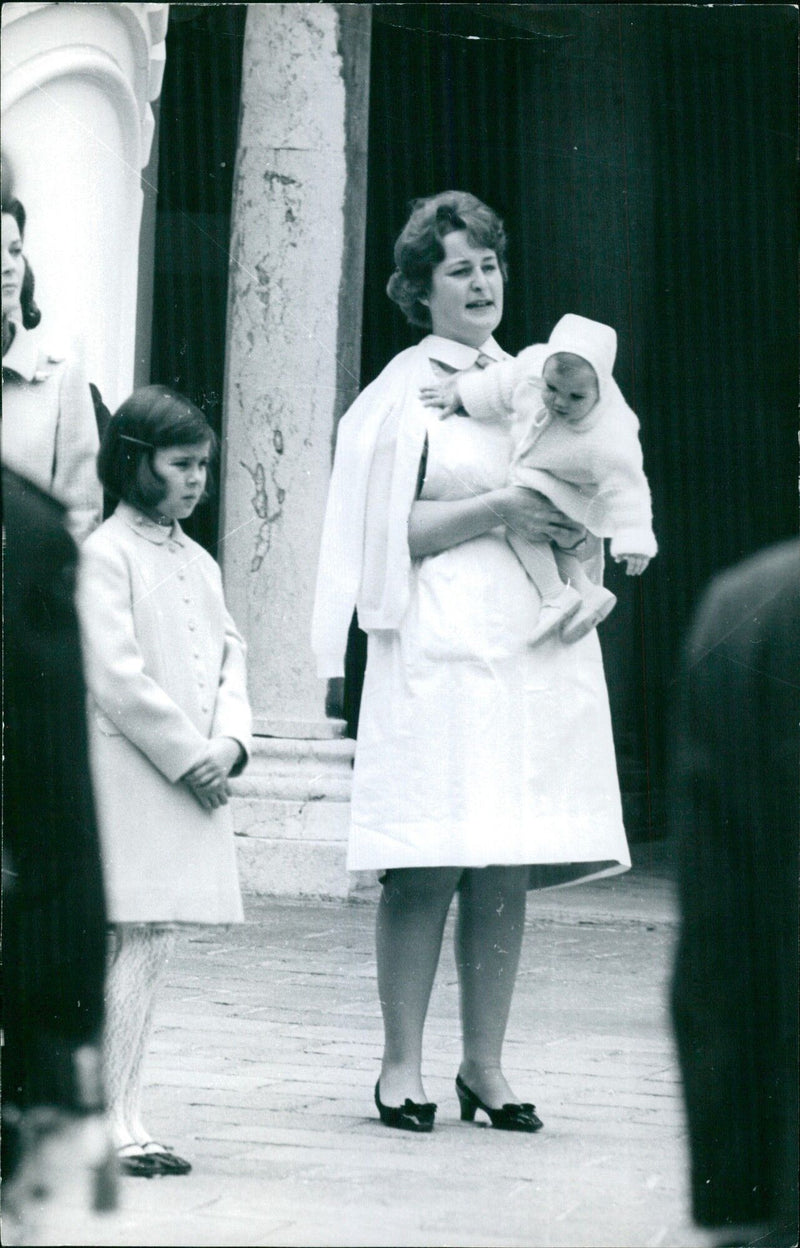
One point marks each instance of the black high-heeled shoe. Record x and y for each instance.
(409, 1116)
(510, 1118)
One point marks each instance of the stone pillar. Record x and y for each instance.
(292, 367)
(77, 82)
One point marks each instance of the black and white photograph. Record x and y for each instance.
(401, 625)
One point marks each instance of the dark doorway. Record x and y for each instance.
(197, 148)
(643, 159)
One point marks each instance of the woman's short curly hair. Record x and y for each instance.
(419, 247)
(152, 418)
(31, 315)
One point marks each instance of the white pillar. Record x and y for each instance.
(77, 82)
(292, 367)
(286, 378)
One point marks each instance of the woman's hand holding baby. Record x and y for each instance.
(442, 394)
(530, 515)
(208, 779)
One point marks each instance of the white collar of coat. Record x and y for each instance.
(27, 358)
(144, 527)
(457, 354)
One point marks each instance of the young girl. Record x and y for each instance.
(169, 722)
(579, 446)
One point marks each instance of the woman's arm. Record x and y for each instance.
(435, 525)
(75, 458)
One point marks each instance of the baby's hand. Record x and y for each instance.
(443, 394)
(635, 564)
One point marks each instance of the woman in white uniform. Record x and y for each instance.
(484, 766)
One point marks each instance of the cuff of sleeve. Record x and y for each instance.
(239, 767)
(634, 542)
(175, 763)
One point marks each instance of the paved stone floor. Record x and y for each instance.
(267, 1050)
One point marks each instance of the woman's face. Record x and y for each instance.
(466, 295)
(13, 264)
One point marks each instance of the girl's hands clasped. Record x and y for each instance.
(208, 779)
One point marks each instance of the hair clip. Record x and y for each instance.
(137, 441)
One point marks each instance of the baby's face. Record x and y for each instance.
(570, 392)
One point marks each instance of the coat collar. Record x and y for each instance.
(22, 357)
(144, 527)
(457, 354)
(26, 356)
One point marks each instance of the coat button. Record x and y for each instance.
(192, 625)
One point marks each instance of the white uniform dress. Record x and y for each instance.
(474, 748)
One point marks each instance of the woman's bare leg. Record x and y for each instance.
(491, 921)
(411, 917)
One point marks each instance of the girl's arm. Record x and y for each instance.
(232, 715)
(137, 706)
(434, 526)
(75, 464)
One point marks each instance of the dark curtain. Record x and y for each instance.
(643, 160)
(198, 126)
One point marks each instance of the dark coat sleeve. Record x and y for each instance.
(54, 916)
(735, 826)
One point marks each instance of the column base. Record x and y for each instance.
(291, 812)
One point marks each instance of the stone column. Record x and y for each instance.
(292, 368)
(77, 83)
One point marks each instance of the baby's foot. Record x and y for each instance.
(553, 613)
(598, 602)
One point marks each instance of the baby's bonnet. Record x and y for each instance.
(576, 335)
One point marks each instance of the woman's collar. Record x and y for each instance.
(457, 354)
(22, 357)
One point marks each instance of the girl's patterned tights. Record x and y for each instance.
(138, 956)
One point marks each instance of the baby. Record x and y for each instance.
(579, 446)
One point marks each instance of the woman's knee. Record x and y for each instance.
(420, 887)
(494, 886)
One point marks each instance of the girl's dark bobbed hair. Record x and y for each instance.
(31, 315)
(152, 418)
(419, 248)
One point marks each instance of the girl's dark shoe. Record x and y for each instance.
(150, 1161)
(133, 1160)
(169, 1160)
(510, 1118)
(408, 1117)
